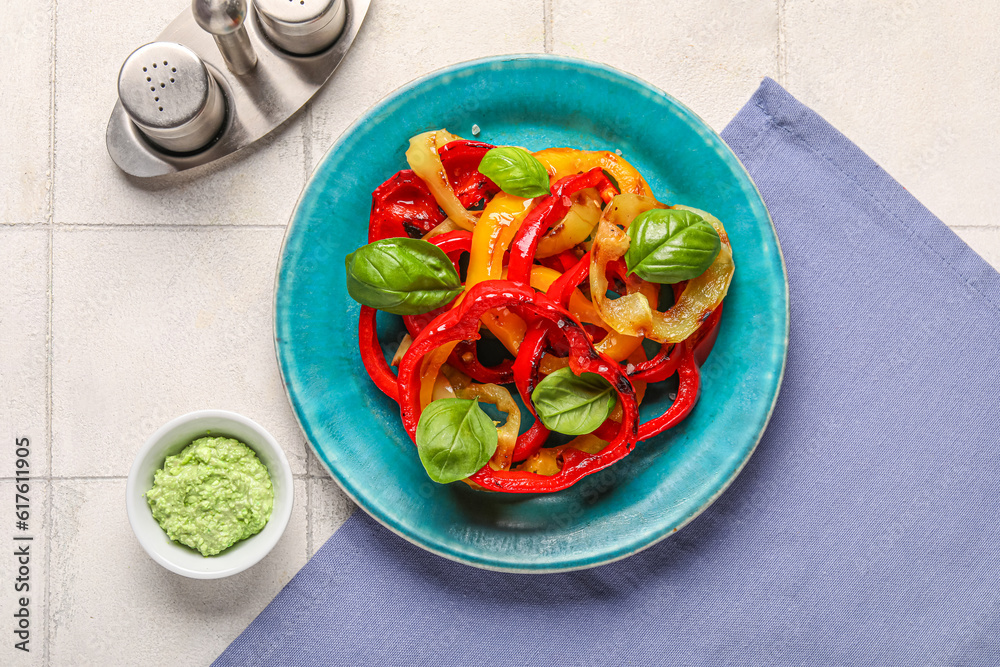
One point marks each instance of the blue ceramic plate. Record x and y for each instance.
(533, 101)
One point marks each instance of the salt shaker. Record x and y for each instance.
(301, 26)
(166, 90)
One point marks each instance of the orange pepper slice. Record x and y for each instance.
(562, 162)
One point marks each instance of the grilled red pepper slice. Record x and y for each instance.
(529, 356)
(453, 244)
(372, 357)
(704, 338)
(562, 287)
(462, 323)
(550, 210)
(666, 361)
(663, 364)
(460, 160)
(685, 359)
(403, 206)
(530, 441)
(562, 262)
(465, 358)
(525, 372)
(595, 178)
(687, 395)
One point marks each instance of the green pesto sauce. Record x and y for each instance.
(212, 495)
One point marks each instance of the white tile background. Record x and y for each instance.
(126, 303)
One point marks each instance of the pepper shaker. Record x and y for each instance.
(189, 99)
(166, 90)
(301, 27)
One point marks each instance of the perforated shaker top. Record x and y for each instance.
(296, 11)
(163, 85)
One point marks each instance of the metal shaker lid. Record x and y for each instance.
(170, 95)
(302, 26)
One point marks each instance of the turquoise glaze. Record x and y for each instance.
(533, 101)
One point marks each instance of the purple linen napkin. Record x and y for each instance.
(863, 529)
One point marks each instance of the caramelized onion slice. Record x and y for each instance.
(574, 229)
(495, 395)
(423, 158)
(702, 294)
(630, 313)
(634, 313)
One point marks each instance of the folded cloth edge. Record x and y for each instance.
(783, 111)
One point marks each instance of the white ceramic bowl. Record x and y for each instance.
(171, 439)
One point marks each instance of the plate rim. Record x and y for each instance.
(374, 110)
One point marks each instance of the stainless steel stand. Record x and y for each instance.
(257, 101)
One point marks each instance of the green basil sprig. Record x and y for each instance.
(515, 171)
(670, 245)
(573, 404)
(455, 438)
(402, 275)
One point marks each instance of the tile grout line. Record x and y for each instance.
(71, 226)
(103, 226)
(50, 204)
(781, 52)
(46, 659)
(47, 578)
(547, 25)
(83, 227)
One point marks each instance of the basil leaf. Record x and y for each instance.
(402, 275)
(573, 404)
(455, 438)
(515, 171)
(670, 245)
